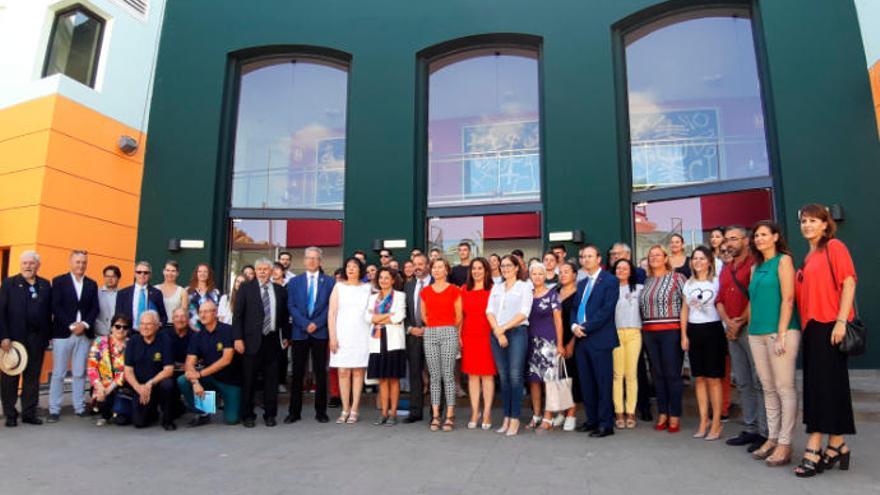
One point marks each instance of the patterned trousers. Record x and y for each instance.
(441, 347)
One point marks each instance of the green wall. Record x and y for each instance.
(822, 128)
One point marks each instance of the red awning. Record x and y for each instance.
(737, 208)
(321, 233)
(512, 226)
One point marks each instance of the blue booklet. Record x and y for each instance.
(208, 404)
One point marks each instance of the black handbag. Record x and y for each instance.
(854, 341)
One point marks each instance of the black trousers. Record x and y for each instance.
(415, 356)
(265, 361)
(105, 407)
(646, 386)
(30, 389)
(301, 351)
(162, 397)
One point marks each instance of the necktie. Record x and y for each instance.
(267, 310)
(142, 303)
(582, 308)
(416, 303)
(311, 294)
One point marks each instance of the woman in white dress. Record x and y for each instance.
(227, 301)
(173, 295)
(349, 337)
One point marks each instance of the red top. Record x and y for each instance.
(817, 297)
(734, 299)
(440, 306)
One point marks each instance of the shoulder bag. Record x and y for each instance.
(853, 342)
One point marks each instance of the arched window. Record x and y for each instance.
(484, 128)
(697, 132)
(290, 135)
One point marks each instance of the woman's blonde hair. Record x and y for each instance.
(662, 249)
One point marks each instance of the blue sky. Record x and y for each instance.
(869, 18)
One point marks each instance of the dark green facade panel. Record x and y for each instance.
(821, 131)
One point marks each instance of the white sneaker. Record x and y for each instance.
(570, 423)
(558, 420)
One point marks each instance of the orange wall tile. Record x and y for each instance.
(874, 73)
(21, 189)
(19, 226)
(66, 230)
(84, 197)
(23, 152)
(27, 117)
(55, 262)
(99, 130)
(89, 161)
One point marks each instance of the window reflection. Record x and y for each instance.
(290, 136)
(694, 218)
(695, 101)
(487, 234)
(75, 45)
(484, 128)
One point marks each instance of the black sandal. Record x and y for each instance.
(809, 468)
(435, 423)
(828, 461)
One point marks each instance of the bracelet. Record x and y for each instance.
(841, 320)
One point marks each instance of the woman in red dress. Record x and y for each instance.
(476, 352)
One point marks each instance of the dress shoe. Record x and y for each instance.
(744, 438)
(270, 422)
(412, 419)
(199, 420)
(587, 427)
(11, 422)
(290, 419)
(756, 444)
(249, 423)
(31, 420)
(334, 402)
(83, 414)
(646, 415)
(602, 432)
(53, 418)
(169, 426)
(322, 418)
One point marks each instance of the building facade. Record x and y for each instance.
(74, 99)
(350, 125)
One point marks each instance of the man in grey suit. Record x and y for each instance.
(415, 351)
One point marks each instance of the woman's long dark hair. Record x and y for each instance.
(633, 280)
(781, 245)
(487, 278)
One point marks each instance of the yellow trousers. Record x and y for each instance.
(626, 359)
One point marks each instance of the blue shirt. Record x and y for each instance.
(148, 359)
(208, 347)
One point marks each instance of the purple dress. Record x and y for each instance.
(542, 337)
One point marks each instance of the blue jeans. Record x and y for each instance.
(510, 362)
(72, 351)
(664, 349)
(751, 394)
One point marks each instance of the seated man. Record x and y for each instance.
(179, 333)
(210, 365)
(149, 365)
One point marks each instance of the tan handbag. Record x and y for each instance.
(558, 392)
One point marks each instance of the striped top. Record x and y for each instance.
(660, 302)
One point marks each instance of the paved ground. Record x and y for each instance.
(76, 457)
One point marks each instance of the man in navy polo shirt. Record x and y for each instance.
(149, 364)
(210, 365)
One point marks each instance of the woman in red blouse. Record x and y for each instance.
(476, 350)
(825, 289)
(441, 312)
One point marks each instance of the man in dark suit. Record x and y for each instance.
(593, 325)
(75, 308)
(308, 300)
(25, 317)
(133, 300)
(261, 328)
(415, 350)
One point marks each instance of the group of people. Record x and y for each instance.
(738, 307)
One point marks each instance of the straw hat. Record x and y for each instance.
(13, 362)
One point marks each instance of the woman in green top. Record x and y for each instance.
(774, 338)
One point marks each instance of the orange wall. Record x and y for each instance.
(875, 89)
(65, 185)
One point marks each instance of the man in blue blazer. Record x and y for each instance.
(75, 308)
(25, 317)
(308, 300)
(133, 300)
(593, 325)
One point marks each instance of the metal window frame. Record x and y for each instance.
(89, 13)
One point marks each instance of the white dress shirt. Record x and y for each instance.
(505, 303)
(78, 287)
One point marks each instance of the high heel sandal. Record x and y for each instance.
(342, 417)
(764, 452)
(435, 423)
(828, 461)
(630, 421)
(352, 418)
(809, 468)
(546, 426)
(533, 423)
(472, 425)
(661, 425)
(449, 424)
(776, 461)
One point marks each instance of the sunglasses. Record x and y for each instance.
(120, 327)
(33, 291)
(142, 272)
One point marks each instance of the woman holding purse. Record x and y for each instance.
(825, 290)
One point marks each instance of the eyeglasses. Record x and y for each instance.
(33, 291)
(142, 272)
(117, 326)
(507, 265)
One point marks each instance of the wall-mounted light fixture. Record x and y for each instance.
(176, 245)
(388, 244)
(566, 236)
(127, 144)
